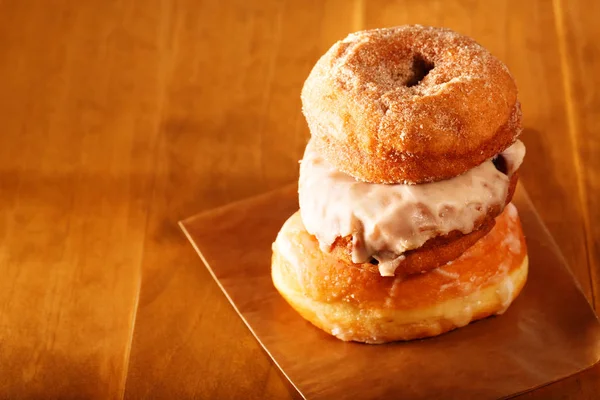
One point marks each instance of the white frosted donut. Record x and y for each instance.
(385, 221)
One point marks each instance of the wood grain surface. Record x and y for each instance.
(122, 117)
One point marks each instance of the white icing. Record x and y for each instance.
(448, 285)
(505, 293)
(387, 266)
(514, 156)
(384, 221)
(462, 319)
(287, 251)
(512, 242)
(389, 301)
(512, 212)
(451, 275)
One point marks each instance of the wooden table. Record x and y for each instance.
(120, 118)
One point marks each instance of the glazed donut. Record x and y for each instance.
(355, 304)
(403, 228)
(410, 104)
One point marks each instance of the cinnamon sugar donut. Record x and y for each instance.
(360, 305)
(410, 104)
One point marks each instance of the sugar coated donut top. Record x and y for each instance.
(410, 104)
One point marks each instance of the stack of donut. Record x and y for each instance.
(405, 228)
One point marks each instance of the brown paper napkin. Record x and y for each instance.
(549, 333)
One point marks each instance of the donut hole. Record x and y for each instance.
(419, 69)
(500, 164)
